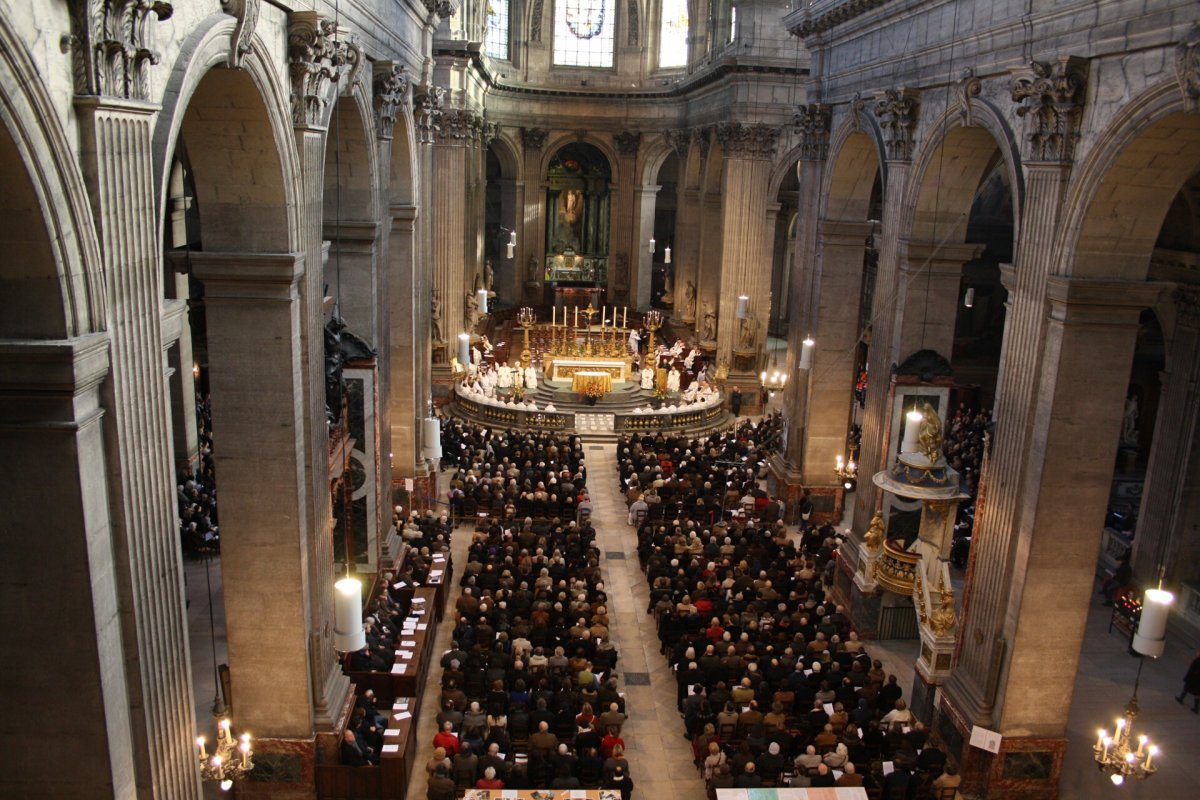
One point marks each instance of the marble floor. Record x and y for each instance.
(660, 756)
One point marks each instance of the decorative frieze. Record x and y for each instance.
(534, 138)
(747, 141)
(246, 14)
(896, 111)
(111, 42)
(843, 12)
(704, 138)
(318, 59)
(535, 21)
(627, 143)
(427, 111)
(1187, 69)
(633, 23)
(442, 8)
(858, 104)
(458, 126)
(1051, 96)
(812, 125)
(391, 93)
(968, 87)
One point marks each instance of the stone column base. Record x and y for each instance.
(1028, 767)
(785, 483)
(864, 607)
(924, 692)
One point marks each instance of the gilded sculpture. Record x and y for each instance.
(930, 435)
(874, 535)
(942, 619)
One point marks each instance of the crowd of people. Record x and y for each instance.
(774, 686)
(511, 475)
(963, 447)
(528, 696)
(196, 491)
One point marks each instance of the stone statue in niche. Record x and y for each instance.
(748, 334)
(532, 273)
(930, 434)
(470, 311)
(435, 317)
(1129, 429)
(571, 203)
(708, 331)
(489, 278)
(689, 301)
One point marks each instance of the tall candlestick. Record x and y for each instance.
(554, 315)
(576, 316)
(200, 744)
(625, 316)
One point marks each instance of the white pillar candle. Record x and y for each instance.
(464, 349)
(433, 438)
(743, 306)
(912, 427)
(667, 255)
(806, 351)
(481, 303)
(651, 244)
(1150, 639)
(348, 635)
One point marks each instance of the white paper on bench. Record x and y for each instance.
(399, 669)
(406, 654)
(422, 626)
(404, 715)
(391, 748)
(392, 732)
(408, 642)
(399, 585)
(888, 768)
(418, 600)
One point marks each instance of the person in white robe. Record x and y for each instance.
(504, 376)
(634, 341)
(647, 378)
(673, 380)
(518, 376)
(531, 378)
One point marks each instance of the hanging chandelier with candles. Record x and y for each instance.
(230, 760)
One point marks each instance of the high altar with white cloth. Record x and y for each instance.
(561, 368)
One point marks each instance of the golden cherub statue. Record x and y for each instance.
(930, 435)
(942, 618)
(873, 538)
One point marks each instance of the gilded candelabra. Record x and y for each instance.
(1116, 756)
(589, 312)
(653, 321)
(526, 318)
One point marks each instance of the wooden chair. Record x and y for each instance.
(945, 793)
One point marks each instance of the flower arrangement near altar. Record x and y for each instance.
(518, 393)
(591, 391)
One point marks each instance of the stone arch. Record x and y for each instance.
(781, 170)
(275, 219)
(1128, 183)
(855, 161)
(653, 156)
(55, 289)
(949, 168)
(605, 148)
(403, 176)
(351, 128)
(508, 154)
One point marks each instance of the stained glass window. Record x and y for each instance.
(732, 22)
(583, 33)
(672, 45)
(495, 44)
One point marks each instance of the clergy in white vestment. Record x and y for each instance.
(504, 376)
(673, 381)
(531, 378)
(647, 378)
(634, 341)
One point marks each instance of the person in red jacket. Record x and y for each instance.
(489, 780)
(446, 740)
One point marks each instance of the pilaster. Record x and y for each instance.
(927, 295)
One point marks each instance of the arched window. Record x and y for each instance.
(495, 44)
(583, 32)
(672, 44)
(732, 22)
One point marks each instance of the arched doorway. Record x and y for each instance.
(578, 216)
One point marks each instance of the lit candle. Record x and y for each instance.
(245, 748)
(1120, 726)
(1141, 751)
(841, 462)
(464, 349)
(1107, 744)
(912, 426)
(225, 734)
(200, 744)
(1100, 738)
(1150, 754)
(576, 316)
(625, 317)
(554, 315)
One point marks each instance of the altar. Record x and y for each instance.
(563, 368)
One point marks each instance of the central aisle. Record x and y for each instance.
(660, 756)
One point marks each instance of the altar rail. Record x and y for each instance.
(689, 418)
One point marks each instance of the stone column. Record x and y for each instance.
(352, 275)
(53, 444)
(643, 227)
(896, 111)
(685, 250)
(745, 237)
(403, 408)
(449, 223)
(531, 239)
(115, 135)
(256, 354)
(1167, 516)
(927, 295)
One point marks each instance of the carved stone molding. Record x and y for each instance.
(704, 138)
(111, 42)
(812, 124)
(627, 143)
(246, 14)
(1187, 304)
(680, 140)
(319, 57)
(967, 88)
(633, 23)
(844, 12)
(458, 126)
(896, 110)
(443, 8)
(490, 131)
(534, 138)
(391, 93)
(1052, 97)
(427, 111)
(1187, 69)
(747, 141)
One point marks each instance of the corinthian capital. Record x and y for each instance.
(1051, 98)
(812, 124)
(747, 141)
(111, 43)
(896, 110)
